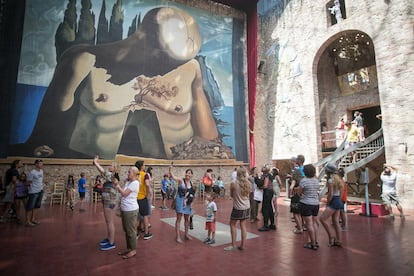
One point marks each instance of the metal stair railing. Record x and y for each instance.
(366, 151)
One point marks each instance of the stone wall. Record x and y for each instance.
(59, 173)
(289, 123)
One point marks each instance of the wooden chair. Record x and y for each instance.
(201, 192)
(156, 189)
(95, 196)
(58, 194)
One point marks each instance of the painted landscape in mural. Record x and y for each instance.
(150, 82)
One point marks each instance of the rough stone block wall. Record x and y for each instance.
(288, 124)
(59, 173)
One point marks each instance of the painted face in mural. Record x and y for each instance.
(145, 90)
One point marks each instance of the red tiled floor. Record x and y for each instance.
(65, 243)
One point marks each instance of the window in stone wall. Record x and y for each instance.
(336, 11)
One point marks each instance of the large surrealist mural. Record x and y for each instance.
(142, 78)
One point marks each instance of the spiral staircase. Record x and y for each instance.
(366, 151)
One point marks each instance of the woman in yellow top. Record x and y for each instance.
(352, 136)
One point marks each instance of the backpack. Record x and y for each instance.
(259, 181)
(207, 181)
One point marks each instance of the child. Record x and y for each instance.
(220, 184)
(81, 189)
(164, 192)
(70, 189)
(189, 196)
(211, 211)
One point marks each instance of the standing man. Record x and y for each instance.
(35, 181)
(144, 193)
(389, 190)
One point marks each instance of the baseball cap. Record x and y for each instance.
(38, 161)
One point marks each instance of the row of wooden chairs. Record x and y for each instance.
(58, 194)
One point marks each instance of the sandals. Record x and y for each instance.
(310, 246)
(335, 242)
(129, 255)
(121, 253)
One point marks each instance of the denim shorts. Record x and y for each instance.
(336, 203)
(35, 201)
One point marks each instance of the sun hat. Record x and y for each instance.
(331, 168)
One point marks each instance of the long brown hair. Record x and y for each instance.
(337, 182)
(244, 183)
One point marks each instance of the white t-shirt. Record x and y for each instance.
(258, 195)
(234, 176)
(36, 178)
(129, 203)
(388, 183)
(211, 208)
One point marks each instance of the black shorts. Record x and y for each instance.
(308, 210)
(294, 204)
(144, 207)
(81, 195)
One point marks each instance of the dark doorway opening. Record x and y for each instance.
(371, 122)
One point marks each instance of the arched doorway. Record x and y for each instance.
(347, 81)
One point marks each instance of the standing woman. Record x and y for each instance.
(129, 211)
(267, 208)
(335, 204)
(277, 183)
(239, 192)
(184, 198)
(148, 176)
(308, 190)
(109, 198)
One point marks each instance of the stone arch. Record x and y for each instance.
(345, 80)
